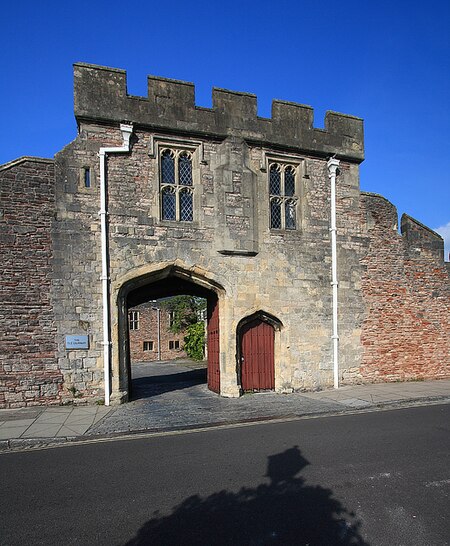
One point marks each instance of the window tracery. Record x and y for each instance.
(176, 185)
(282, 196)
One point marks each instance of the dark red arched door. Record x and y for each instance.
(213, 346)
(257, 356)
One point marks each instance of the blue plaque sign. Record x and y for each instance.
(77, 342)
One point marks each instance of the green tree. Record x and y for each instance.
(194, 341)
(186, 311)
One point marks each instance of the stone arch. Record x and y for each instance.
(148, 282)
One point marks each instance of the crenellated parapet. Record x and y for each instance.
(100, 94)
(421, 238)
(418, 239)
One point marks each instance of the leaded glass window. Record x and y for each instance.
(167, 167)
(176, 185)
(185, 170)
(186, 208)
(283, 200)
(290, 222)
(275, 213)
(289, 181)
(168, 204)
(275, 180)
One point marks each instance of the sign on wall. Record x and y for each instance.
(77, 342)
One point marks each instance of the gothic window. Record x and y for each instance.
(176, 187)
(134, 320)
(283, 200)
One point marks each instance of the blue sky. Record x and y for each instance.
(385, 61)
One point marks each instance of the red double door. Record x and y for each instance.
(257, 356)
(213, 346)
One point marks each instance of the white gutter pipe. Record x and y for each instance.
(332, 165)
(158, 317)
(127, 130)
(159, 333)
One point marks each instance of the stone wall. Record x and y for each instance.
(229, 244)
(77, 287)
(29, 373)
(406, 330)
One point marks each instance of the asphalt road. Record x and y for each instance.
(379, 478)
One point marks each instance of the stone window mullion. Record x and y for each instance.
(176, 179)
(282, 197)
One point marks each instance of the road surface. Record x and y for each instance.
(380, 478)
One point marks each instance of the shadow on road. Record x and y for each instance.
(283, 511)
(146, 387)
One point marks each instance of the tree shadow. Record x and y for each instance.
(284, 511)
(146, 387)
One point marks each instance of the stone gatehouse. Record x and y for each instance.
(157, 197)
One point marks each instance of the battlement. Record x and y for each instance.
(100, 94)
(417, 237)
(421, 237)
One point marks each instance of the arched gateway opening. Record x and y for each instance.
(165, 283)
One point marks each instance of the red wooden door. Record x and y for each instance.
(213, 346)
(257, 356)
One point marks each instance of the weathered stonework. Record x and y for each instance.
(405, 333)
(29, 373)
(393, 289)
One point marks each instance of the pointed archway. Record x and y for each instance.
(256, 351)
(169, 281)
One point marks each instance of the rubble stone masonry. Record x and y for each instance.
(29, 373)
(405, 283)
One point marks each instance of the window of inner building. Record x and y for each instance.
(174, 344)
(282, 195)
(171, 318)
(148, 346)
(134, 320)
(176, 187)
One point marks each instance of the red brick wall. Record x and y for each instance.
(148, 331)
(28, 368)
(406, 289)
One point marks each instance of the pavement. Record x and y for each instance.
(173, 396)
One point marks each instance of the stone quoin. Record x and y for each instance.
(219, 203)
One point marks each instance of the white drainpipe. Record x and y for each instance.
(127, 130)
(332, 165)
(158, 317)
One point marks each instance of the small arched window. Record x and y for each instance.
(283, 200)
(167, 167)
(186, 205)
(168, 203)
(275, 213)
(275, 179)
(176, 185)
(185, 169)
